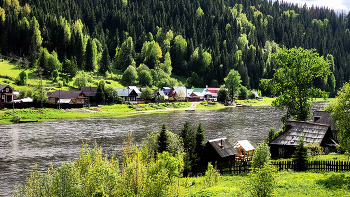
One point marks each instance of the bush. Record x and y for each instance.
(211, 177)
(15, 118)
(262, 181)
(315, 149)
(60, 84)
(271, 135)
(261, 155)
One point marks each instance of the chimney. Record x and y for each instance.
(221, 145)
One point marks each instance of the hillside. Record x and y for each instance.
(200, 40)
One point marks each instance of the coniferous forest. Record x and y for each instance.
(199, 39)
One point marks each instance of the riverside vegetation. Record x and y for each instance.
(145, 172)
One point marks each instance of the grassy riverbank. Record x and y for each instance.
(117, 110)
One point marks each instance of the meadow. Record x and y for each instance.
(288, 183)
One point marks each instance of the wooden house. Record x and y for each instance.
(137, 90)
(6, 94)
(211, 93)
(283, 146)
(127, 94)
(196, 96)
(245, 150)
(89, 92)
(220, 151)
(75, 97)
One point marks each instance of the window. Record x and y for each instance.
(7, 89)
(281, 152)
(3, 97)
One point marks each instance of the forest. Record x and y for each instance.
(198, 39)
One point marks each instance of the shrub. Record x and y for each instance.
(261, 155)
(271, 135)
(60, 84)
(262, 181)
(211, 177)
(15, 118)
(315, 149)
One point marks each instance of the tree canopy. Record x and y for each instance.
(292, 81)
(341, 117)
(233, 82)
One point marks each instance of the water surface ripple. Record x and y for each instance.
(22, 146)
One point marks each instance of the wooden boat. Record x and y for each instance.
(27, 121)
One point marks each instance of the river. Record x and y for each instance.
(22, 146)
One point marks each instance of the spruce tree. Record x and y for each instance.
(163, 140)
(300, 155)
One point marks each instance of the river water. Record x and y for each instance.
(22, 146)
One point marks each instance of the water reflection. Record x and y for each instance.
(45, 143)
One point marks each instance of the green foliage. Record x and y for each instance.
(211, 177)
(22, 78)
(233, 82)
(200, 145)
(175, 145)
(340, 116)
(145, 78)
(300, 155)
(315, 149)
(163, 143)
(100, 92)
(262, 181)
(15, 118)
(124, 55)
(147, 93)
(111, 93)
(243, 92)
(81, 79)
(335, 180)
(271, 135)
(60, 84)
(296, 68)
(55, 75)
(261, 156)
(222, 94)
(130, 75)
(105, 63)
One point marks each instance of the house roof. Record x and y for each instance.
(65, 94)
(313, 132)
(89, 91)
(256, 94)
(166, 89)
(245, 144)
(222, 147)
(197, 94)
(198, 90)
(162, 94)
(323, 117)
(189, 92)
(135, 88)
(4, 86)
(126, 92)
(213, 90)
(177, 90)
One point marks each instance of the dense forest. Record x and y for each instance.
(199, 39)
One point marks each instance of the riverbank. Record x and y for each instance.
(122, 110)
(116, 110)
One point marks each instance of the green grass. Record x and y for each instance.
(289, 183)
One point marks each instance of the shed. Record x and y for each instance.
(220, 150)
(283, 146)
(245, 150)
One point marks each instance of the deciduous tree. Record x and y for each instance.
(296, 68)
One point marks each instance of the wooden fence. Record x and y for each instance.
(239, 167)
(335, 166)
